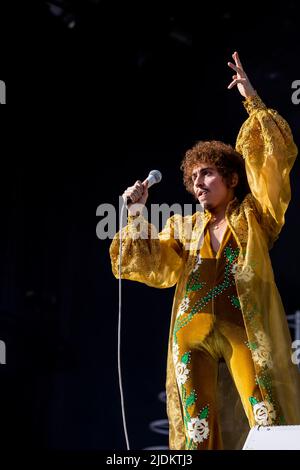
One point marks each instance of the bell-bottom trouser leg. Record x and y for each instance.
(196, 369)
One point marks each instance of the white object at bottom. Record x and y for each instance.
(273, 438)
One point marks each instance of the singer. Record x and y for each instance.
(226, 305)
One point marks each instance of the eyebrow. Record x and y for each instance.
(203, 169)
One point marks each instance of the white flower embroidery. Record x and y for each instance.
(182, 373)
(183, 306)
(197, 262)
(198, 429)
(263, 340)
(245, 273)
(262, 355)
(264, 413)
(235, 269)
(175, 352)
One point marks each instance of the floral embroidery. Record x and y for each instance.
(264, 412)
(198, 261)
(263, 339)
(244, 273)
(183, 307)
(261, 351)
(182, 373)
(198, 429)
(262, 357)
(181, 370)
(175, 352)
(265, 381)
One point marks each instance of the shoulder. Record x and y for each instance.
(183, 228)
(249, 205)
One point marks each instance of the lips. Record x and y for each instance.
(202, 192)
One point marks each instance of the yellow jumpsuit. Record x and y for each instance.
(209, 326)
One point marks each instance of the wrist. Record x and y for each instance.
(254, 103)
(250, 93)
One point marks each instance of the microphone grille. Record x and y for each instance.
(156, 175)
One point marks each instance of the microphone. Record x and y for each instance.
(154, 177)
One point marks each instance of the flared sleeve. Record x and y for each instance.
(149, 257)
(266, 142)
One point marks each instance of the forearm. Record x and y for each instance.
(146, 258)
(266, 143)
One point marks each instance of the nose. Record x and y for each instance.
(198, 179)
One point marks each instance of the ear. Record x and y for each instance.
(234, 180)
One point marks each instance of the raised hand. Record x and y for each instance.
(240, 78)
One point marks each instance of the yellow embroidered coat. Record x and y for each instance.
(266, 143)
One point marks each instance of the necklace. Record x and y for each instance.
(217, 225)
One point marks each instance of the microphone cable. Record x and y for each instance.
(119, 326)
(154, 176)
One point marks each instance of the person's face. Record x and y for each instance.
(209, 186)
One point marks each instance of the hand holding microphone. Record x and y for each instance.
(137, 194)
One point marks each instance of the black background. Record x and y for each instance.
(91, 109)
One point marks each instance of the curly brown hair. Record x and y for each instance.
(224, 157)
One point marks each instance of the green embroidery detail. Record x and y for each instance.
(251, 313)
(186, 358)
(188, 416)
(187, 402)
(235, 301)
(201, 303)
(193, 284)
(252, 345)
(231, 254)
(191, 399)
(191, 444)
(253, 401)
(281, 420)
(195, 287)
(185, 421)
(264, 380)
(204, 413)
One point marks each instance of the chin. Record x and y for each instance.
(206, 205)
